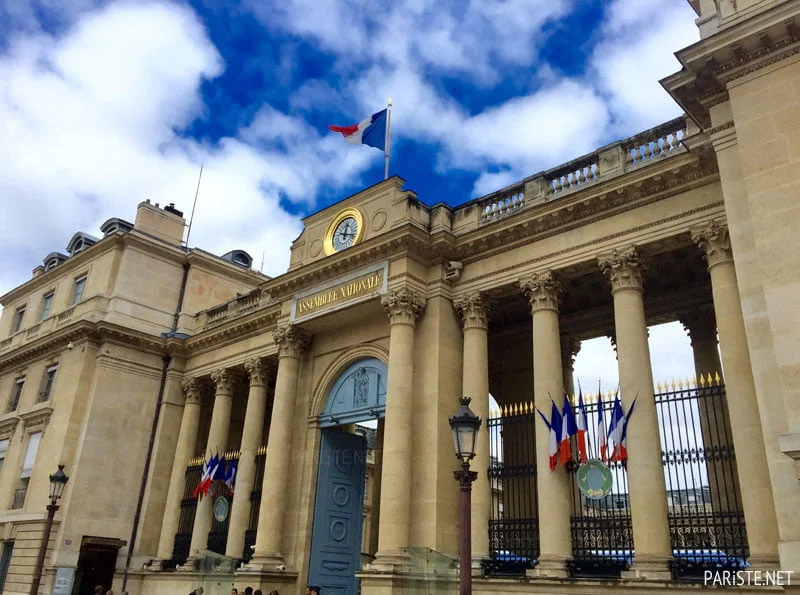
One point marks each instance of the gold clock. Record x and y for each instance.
(346, 230)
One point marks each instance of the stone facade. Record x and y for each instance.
(169, 354)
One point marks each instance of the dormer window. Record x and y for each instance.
(53, 259)
(79, 242)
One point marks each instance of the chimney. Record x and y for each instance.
(166, 224)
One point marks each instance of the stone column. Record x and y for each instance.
(260, 372)
(217, 443)
(402, 306)
(712, 409)
(740, 394)
(292, 341)
(555, 545)
(646, 485)
(570, 346)
(187, 441)
(474, 311)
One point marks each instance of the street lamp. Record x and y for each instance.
(58, 481)
(465, 425)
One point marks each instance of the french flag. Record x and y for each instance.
(554, 427)
(370, 131)
(623, 447)
(582, 427)
(615, 430)
(205, 479)
(602, 432)
(568, 428)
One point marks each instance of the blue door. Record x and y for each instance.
(336, 539)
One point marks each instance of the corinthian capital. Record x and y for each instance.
(223, 380)
(402, 306)
(192, 389)
(473, 309)
(624, 268)
(260, 370)
(291, 340)
(714, 240)
(542, 291)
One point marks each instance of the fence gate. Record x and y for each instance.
(602, 534)
(514, 524)
(255, 504)
(706, 522)
(183, 537)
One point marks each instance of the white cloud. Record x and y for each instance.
(90, 126)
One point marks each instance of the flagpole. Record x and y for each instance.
(388, 138)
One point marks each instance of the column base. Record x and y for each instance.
(764, 562)
(266, 562)
(649, 568)
(391, 562)
(208, 561)
(156, 565)
(550, 567)
(477, 565)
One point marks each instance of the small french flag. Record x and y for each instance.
(582, 426)
(370, 131)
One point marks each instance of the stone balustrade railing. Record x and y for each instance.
(605, 163)
(238, 306)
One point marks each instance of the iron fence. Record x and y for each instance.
(183, 537)
(601, 530)
(255, 504)
(706, 522)
(513, 524)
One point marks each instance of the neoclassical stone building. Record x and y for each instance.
(132, 359)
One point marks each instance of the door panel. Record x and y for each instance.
(336, 541)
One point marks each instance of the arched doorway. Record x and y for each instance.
(358, 395)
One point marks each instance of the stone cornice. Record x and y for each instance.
(733, 52)
(403, 306)
(542, 290)
(96, 332)
(473, 310)
(714, 239)
(230, 331)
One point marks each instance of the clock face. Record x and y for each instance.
(345, 234)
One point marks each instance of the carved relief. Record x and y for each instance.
(473, 310)
(223, 381)
(260, 370)
(542, 291)
(715, 241)
(291, 340)
(402, 306)
(623, 268)
(192, 388)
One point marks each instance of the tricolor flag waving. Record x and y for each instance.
(370, 131)
(230, 474)
(568, 429)
(209, 468)
(554, 426)
(602, 432)
(615, 430)
(374, 131)
(623, 447)
(582, 424)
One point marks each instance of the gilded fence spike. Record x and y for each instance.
(680, 384)
(659, 387)
(694, 381)
(717, 379)
(702, 381)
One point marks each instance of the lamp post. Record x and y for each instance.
(465, 425)
(58, 480)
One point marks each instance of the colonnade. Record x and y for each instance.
(552, 361)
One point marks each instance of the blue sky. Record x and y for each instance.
(106, 103)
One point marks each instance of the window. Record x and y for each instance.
(77, 289)
(5, 560)
(47, 382)
(16, 392)
(30, 454)
(3, 451)
(47, 304)
(18, 316)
